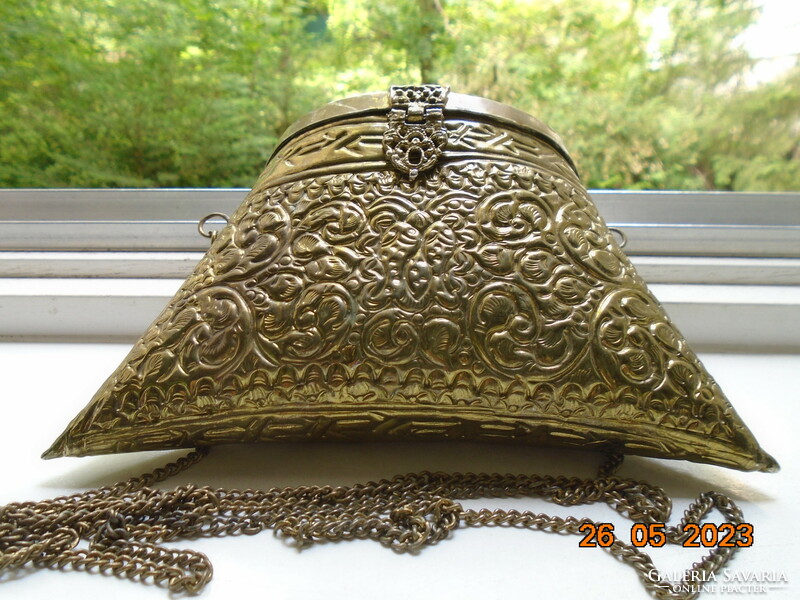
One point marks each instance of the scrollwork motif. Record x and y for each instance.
(392, 336)
(514, 217)
(637, 342)
(486, 285)
(512, 335)
(311, 327)
(589, 242)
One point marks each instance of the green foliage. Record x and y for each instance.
(103, 93)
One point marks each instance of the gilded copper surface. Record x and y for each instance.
(485, 298)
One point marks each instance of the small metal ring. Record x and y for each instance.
(212, 235)
(623, 239)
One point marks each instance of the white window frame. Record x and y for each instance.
(99, 265)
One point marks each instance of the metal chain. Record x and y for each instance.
(117, 529)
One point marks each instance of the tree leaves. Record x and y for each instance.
(196, 92)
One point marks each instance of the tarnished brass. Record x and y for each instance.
(407, 268)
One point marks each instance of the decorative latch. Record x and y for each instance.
(416, 135)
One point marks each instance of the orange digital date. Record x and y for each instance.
(726, 535)
(597, 534)
(707, 535)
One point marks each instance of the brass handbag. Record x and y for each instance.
(417, 265)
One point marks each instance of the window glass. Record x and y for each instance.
(647, 94)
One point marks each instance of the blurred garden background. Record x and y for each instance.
(647, 94)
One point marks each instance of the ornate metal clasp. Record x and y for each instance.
(416, 135)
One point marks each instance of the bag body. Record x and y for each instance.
(416, 265)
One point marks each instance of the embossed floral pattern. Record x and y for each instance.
(486, 287)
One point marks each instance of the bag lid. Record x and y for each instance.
(456, 105)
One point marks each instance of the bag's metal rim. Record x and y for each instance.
(457, 104)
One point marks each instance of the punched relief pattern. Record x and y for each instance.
(488, 286)
(484, 300)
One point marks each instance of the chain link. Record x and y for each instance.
(122, 525)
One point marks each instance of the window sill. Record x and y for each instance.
(714, 318)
